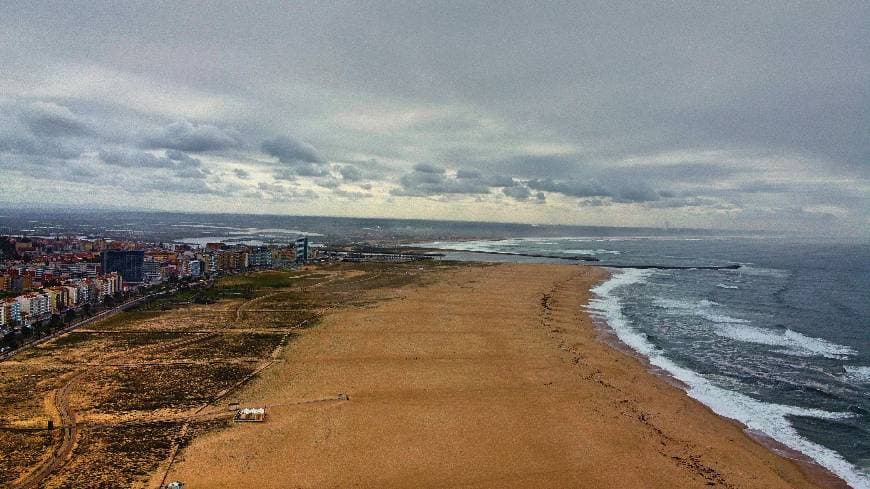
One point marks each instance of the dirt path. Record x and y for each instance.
(67, 417)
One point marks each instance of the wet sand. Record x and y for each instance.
(492, 376)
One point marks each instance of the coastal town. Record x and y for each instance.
(47, 283)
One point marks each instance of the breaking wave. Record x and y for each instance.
(768, 418)
(702, 309)
(794, 343)
(858, 373)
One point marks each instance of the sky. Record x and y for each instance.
(727, 115)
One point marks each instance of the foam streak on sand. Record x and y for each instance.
(769, 419)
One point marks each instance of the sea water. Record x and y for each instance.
(781, 344)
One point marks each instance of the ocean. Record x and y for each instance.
(781, 344)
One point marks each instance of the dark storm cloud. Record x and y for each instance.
(679, 172)
(518, 192)
(467, 174)
(351, 173)
(364, 171)
(427, 179)
(428, 168)
(186, 136)
(134, 159)
(521, 193)
(638, 192)
(292, 151)
(571, 188)
(618, 191)
(51, 119)
(182, 159)
(39, 147)
(536, 166)
(41, 130)
(488, 180)
(181, 164)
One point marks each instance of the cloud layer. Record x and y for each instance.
(745, 116)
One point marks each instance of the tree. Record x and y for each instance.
(56, 322)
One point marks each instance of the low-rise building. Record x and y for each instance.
(260, 258)
(57, 299)
(151, 272)
(72, 295)
(34, 307)
(10, 312)
(229, 261)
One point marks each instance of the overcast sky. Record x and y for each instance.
(702, 114)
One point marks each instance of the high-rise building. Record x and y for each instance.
(128, 264)
(260, 258)
(232, 260)
(194, 268)
(301, 247)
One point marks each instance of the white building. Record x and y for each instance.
(34, 306)
(10, 310)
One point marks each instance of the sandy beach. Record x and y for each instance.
(490, 376)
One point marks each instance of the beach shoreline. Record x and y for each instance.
(815, 472)
(463, 401)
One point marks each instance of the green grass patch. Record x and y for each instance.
(125, 318)
(263, 280)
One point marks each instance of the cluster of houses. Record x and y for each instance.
(29, 308)
(41, 277)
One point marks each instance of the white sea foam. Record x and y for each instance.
(793, 342)
(767, 418)
(501, 245)
(747, 269)
(476, 245)
(726, 286)
(272, 231)
(203, 226)
(702, 309)
(858, 373)
(593, 252)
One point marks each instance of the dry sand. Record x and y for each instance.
(490, 377)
